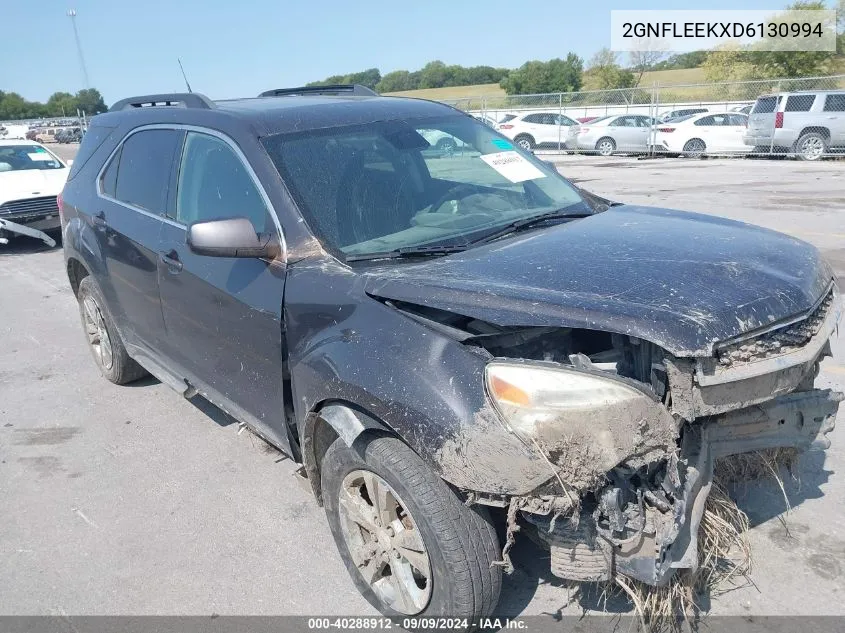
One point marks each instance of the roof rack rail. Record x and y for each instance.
(177, 99)
(355, 90)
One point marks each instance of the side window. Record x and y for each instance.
(533, 118)
(565, 120)
(549, 119)
(738, 119)
(146, 164)
(799, 103)
(214, 184)
(708, 120)
(834, 103)
(109, 181)
(643, 121)
(617, 122)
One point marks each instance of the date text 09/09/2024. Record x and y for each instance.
(414, 623)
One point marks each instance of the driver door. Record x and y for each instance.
(223, 316)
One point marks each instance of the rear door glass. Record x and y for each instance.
(146, 165)
(799, 103)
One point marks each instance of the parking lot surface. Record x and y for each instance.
(133, 500)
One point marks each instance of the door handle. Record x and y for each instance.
(171, 260)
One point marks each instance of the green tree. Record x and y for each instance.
(90, 101)
(433, 75)
(61, 104)
(556, 75)
(397, 81)
(642, 61)
(604, 72)
(785, 63)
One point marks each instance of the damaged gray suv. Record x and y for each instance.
(437, 336)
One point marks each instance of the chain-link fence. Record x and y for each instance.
(691, 120)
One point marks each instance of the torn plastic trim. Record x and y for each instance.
(20, 229)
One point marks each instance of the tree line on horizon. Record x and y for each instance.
(14, 107)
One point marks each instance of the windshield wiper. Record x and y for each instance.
(528, 223)
(407, 251)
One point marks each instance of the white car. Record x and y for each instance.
(610, 134)
(530, 129)
(700, 134)
(31, 178)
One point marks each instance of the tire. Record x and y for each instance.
(605, 146)
(525, 141)
(695, 148)
(103, 339)
(811, 146)
(458, 543)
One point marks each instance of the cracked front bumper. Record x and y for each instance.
(649, 530)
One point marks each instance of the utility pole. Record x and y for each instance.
(72, 15)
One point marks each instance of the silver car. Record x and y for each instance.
(609, 134)
(809, 123)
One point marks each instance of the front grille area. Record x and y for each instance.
(30, 207)
(777, 342)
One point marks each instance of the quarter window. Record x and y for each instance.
(145, 167)
(214, 184)
(834, 103)
(109, 180)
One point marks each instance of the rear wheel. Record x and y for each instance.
(811, 146)
(606, 146)
(103, 340)
(409, 544)
(525, 141)
(695, 148)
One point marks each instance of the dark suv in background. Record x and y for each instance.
(442, 339)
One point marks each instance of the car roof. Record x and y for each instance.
(18, 141)
(835, 91)
(270, 115)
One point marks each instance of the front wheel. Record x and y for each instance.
(410, 545)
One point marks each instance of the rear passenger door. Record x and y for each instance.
(133, 198)
(224, 315)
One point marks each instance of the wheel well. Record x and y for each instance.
(523, 135)
(605, 138)
(817, 129)
(695, 138)
(76, 272)
(318, 434)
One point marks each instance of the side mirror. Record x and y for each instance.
(233, 237)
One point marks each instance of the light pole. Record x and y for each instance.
(72, 15)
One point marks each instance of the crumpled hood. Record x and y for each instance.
(681, 280)
(30, 183)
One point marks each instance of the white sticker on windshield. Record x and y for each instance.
(40, 156)
(513, 166)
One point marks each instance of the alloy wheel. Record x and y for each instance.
(812, 148)
(384, 542)
(98, 335)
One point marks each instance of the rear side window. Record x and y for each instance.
(91, 142)
(144, 171)
(799, 103)
(708, 120)
(765, 105)
(109, 181)
(834, 103)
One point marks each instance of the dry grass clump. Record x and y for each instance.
(724, 553)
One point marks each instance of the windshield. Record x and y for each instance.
(23, 157)
(408, 184)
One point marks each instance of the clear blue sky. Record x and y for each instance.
(238, 48)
